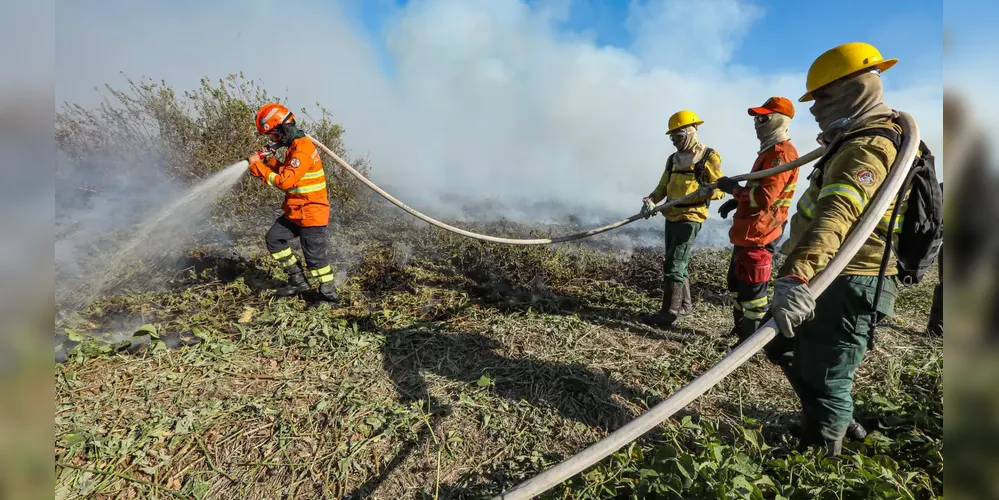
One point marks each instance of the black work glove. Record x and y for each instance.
(727, 207)
(727, 185)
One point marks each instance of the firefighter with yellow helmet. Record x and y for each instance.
(823, 340)
(692, 166)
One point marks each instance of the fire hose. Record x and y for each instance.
(741, 354)
(738, 356)
(811, 156)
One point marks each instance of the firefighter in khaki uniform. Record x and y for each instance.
(761, 209)
(692, 165)
(823, 341)
(306, 206)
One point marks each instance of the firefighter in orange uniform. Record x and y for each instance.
(761, 211)
(306, 205)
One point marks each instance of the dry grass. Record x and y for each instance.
(451, 370)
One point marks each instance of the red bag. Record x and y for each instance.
(753, 265)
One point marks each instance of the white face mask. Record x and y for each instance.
(771, 129)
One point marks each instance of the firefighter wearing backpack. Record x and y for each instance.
(823, 341)
(306, 206)
(692, 165)
(761, 209)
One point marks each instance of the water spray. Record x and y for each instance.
(160, 234)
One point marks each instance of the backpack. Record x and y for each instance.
(699, 169)
(921, 235)
(922, 228)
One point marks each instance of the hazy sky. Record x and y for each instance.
(558, 102)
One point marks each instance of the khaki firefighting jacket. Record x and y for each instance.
(836, 197)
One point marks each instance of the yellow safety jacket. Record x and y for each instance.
(839, 190)
(678, 181)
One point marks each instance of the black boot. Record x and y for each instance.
(296, 282)
(744, 329)
(328, 292)
(855, 431)
(834, 448)
(808, 435)
(736, 319)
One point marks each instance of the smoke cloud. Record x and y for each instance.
(474, 102)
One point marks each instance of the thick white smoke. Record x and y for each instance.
(480, 101)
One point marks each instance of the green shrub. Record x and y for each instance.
(149, 126)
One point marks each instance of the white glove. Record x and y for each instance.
(793, 304)
(647, 207)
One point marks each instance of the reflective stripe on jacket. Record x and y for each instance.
(303, 181)
(764, 203)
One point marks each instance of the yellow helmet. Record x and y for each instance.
(840, 61)
(682, 119)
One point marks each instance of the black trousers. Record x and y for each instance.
(314, 241)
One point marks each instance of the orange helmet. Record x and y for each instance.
(271, 115)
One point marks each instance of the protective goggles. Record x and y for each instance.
(679, 134)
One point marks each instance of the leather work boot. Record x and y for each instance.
(328, 292)
(296, 282)
(672, 302)
(808, 436)
(855, 431)
(834, 448)
(686, 306)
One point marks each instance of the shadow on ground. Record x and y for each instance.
(577, 392)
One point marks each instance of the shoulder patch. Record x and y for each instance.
(295, 162)
(776, 162)
(865, 177)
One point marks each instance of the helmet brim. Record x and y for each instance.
(674, 129)
(881, 66)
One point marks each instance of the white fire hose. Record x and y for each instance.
(636, 428)
(811, 156)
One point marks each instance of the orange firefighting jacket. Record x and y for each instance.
(764, 203)
(301, 178)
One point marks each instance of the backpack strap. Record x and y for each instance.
(699, 169)
(701, 166)
(887, 133)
